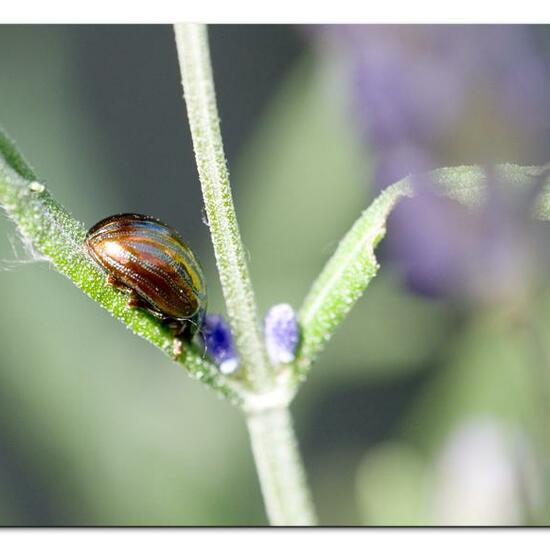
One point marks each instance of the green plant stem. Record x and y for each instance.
(273, 442)
(200, 98)
(280, 470)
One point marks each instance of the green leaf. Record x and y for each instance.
(47, 228)
(347, 274)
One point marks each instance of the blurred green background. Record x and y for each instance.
(421, 411)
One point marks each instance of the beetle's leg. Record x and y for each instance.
(135, 301)
(114, 282)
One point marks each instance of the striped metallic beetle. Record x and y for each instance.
(149, 260)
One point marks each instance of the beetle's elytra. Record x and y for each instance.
(151, 261)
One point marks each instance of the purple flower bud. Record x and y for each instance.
(218, 342)
(282, 333)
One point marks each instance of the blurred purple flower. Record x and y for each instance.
(432, 95)
(282, 333)
(218, 342)
(426, 93)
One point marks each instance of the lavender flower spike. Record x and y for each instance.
(218, 342)
(282, 333)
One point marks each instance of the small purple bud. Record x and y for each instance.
(218, 342)
(282, 333)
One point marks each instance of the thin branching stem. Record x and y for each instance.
(273, 441)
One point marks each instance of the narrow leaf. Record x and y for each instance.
(47, 228)
(347, 274)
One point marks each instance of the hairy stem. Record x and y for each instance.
(282, 476)
(200, 98)
(273, 442)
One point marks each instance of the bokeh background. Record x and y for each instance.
(430, 406)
